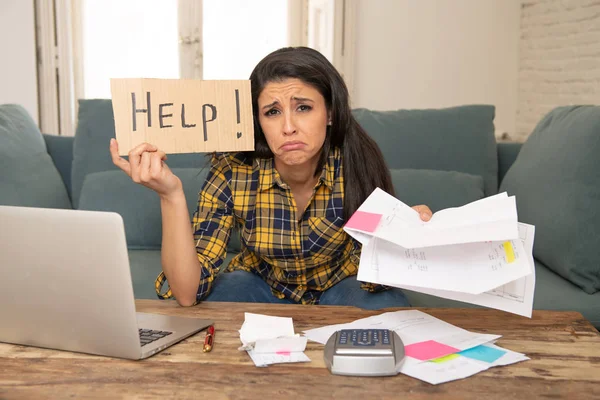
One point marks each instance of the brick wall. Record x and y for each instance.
(559, 58)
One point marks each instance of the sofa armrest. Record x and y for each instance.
(507, 154)
(60, 149)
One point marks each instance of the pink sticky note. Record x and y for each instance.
(365, 221)
(428, 350)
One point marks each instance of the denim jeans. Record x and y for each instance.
(242, 286)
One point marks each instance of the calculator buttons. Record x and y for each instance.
(386, 338)
(343, 337)
(364, 341)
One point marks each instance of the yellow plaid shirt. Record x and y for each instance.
(299, 256)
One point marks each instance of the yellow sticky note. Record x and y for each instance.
(510, 253)
(445, 358)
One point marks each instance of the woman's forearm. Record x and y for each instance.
(179, 259)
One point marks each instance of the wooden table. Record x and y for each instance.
(564, 349)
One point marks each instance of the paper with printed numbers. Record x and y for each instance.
(436, 351)
(478, 253)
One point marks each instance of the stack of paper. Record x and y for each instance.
(478, 253)
(271, 340)
(436, 351)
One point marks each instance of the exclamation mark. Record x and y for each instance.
(237, 109)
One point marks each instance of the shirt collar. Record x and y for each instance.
(270, 177)
(328, 173)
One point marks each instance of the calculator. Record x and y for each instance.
(364, 352)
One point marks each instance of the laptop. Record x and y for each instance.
(67, 286)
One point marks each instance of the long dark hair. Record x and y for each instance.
(363, 164)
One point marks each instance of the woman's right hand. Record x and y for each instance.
(146, 166)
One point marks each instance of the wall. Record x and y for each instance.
(560, 58)
(438, 53)
(18, 73)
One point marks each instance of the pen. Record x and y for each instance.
(208, 341)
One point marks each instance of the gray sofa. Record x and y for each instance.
(443, 158)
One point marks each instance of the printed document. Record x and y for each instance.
(478, 253)
(493, 218)
(515, 297)
(436, 351)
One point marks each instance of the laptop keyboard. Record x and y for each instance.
(149, 335)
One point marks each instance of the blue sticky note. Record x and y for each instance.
(483, 353)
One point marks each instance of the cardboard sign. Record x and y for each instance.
(183, 116)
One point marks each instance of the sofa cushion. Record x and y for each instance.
(95, 128)
(29, 176)
(60, 149)
(451, 139)
(138, 205)
(145, 266)
(552, 292)
(556, 181)
(437, 189)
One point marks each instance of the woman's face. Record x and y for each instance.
(293, 117)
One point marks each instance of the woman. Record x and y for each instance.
(312, 167)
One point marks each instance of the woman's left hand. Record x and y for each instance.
(424, 212)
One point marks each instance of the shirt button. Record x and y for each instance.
(300, 287)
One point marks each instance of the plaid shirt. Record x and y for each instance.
(299, 256)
